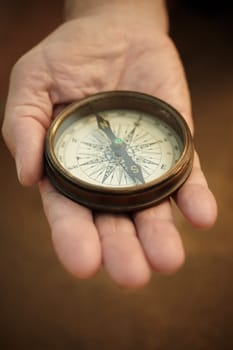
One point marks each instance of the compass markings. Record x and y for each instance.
(108, 171)
(146, 171)
(147, 161)
(118, 131)
(141, 146)
(92, 145)
(93, 161)
(99, 162)
(96, 172)
(130, 135)
(139, 136)
(100, 137)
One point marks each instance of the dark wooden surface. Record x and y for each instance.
(41, 306)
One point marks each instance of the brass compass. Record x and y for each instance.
(118, 151)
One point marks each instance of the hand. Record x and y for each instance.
(85, 56)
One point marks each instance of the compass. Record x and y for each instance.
(118, 151)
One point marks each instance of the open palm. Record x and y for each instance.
(80, 58)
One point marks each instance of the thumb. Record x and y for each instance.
(27, 117)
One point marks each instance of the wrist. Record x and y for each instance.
(121, 11)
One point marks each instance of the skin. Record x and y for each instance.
(98, 51)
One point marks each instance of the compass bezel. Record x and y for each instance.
(122, 198)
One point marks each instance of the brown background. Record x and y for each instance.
(41, 306)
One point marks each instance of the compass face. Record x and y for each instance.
(117, 148)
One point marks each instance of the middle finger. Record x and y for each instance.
(123, 256)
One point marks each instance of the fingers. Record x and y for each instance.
(123, 256)
(195, 200)
(74, 234)
(77, 245)
(159, 237)
(126, 258)
(27, 116)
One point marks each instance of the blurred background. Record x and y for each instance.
(41, 306)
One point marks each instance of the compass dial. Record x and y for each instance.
(139, 148)
(118, 151)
